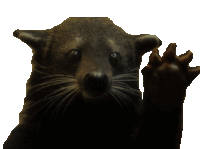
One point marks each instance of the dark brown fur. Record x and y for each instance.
(97, 109)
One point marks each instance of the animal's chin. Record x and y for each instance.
(94, 96)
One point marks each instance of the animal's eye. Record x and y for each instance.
(74, 55)
(115, 58)
(113, 54)
(74, 52)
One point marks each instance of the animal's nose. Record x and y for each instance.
(96, 81)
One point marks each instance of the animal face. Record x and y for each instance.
(93, 63)
(90, 57)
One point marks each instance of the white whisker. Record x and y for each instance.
(70, 99)
(125, 80)
(120, 88)
(130, 75)
(58, 96)
(62, 80)
(58, 75)
(116, 98)
(49, 85)
(58, 106)
(120, 93)
(40, 71)
(126, 88)
(45, 98)
(52, 98)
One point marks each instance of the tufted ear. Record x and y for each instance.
(145, 43)
(36, 40)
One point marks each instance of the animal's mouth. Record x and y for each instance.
(91, 94)
(94, 95)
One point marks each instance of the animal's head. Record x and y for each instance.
(90, 56)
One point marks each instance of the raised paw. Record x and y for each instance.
(167, 77)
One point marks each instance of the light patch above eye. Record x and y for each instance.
(78, 40)
(112, 44)
(74, 44)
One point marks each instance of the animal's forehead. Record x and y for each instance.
(91, 32)
(89, 27)
(79, 42)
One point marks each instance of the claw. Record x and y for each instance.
(155, 59)
(186, 58)
(156, 52)
(170, 54)
(193, 73)
(172, 48)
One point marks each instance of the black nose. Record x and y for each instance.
(96, 81)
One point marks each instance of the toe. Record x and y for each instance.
(155, 59)
(170, 54)
(147, 70)
(194, 72)
(186, 58)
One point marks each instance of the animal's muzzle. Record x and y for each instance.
(96, 83)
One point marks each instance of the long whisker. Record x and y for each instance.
(125, 87)
(122, 95)
(126, 80)
(69, 88)
(40, 71)
(116, 99)
(58, 96)
(130, 75)
(71, 99)
(50, 100)
(58, 75)
(58, 106)
(118, 95)
(45, 98)
(122, 84)
(50, 84)
(64, 80)
(120, 88)
(37, 64)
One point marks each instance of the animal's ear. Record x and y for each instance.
(35, 39)
(145, 43)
